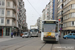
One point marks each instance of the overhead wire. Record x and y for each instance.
(33, 8)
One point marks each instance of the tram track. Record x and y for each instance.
(33, 43)
(19, 43)
(25, 45)
(42, 46)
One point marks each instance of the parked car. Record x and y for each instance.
(26, 35)
(21, 34)
(70, 36)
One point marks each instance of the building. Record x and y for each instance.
(22, 17)
(60, 15)
(43, 14)
(47, 12)
(66, 13)
(39, 23)
(50, 11)
(9, 10)
(69, 16)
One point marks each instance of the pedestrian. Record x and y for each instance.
(11, 34)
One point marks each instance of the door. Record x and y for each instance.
(7, 31)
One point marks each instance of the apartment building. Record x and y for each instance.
(9, 17)
(69, 16)
(22, 17)
(66, 16)
(50, 11)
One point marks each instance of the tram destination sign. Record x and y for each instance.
(49, 22)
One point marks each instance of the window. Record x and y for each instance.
(73, 14)
(2, 3)
(8, 4)
(74, 34)
(1, 12)
(73, 6)
(1, 20)
(8, 13)
(60, 0)
(72, 23)
(70, 34)
(8, 21)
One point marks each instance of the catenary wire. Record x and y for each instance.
(33, 8)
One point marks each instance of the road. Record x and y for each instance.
(35, 43)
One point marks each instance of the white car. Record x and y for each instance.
(25, 35)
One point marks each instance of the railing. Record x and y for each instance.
(12, 7)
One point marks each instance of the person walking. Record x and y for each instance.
(11, 34)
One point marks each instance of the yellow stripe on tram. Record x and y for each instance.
(49, 34)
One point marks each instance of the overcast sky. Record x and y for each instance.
(31, 14)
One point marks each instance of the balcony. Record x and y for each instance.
(13, 16)
(15, 1)
(11, 8)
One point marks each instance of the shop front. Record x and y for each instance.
(6, 31)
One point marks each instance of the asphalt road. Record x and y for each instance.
(35, 43)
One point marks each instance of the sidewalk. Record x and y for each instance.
(8, 36)
(5, 38)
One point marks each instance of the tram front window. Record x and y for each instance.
(50, 28)
(34, 30)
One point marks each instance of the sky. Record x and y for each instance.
(31, 14)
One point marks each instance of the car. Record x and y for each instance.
(69, 36)
(21, 34)
(26, 35)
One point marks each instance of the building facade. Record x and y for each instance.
(9, 17)
(60, 15)
(22, 17)
(50, 11)
(66, 16)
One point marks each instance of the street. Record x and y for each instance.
(35, 43)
